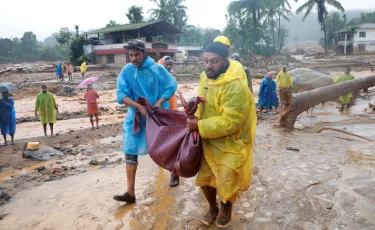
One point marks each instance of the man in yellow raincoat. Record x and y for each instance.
(345, 99)
(46, 106)
(226, 123)
(284, 85)
(83, 68)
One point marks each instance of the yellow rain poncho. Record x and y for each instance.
(83, 67)
(46, 106)
(227, 125)
(345, 99)
(284, 80)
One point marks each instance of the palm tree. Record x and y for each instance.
(284, 10)
(252, 7)
(322, 13)
(162, 12)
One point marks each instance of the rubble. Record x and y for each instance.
(307, 48)
(44, 153)
(67, 91)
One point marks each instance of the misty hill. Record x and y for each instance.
(309, 30)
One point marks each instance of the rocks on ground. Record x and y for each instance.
(67, 91)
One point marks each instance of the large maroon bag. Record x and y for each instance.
(170, 144)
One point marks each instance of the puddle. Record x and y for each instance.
(30, 169)
(361, 130)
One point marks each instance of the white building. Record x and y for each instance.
(357, 40)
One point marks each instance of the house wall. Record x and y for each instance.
(101, 59)
(369, 41)
(120, 59)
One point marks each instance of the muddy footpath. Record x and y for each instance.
(321, 176)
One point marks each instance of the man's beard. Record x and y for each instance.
(217, 74)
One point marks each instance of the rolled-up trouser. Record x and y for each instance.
(131, 159)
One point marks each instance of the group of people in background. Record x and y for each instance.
(69, 69)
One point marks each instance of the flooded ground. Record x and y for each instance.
(327, 184)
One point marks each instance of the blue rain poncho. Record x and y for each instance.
(59, 70)
(267, 93)
(7, 117)
(151, 81)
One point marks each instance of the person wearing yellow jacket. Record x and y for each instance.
(83, 68)
(284, 85)
(226, 123)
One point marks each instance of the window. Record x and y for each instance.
(362, 47)
(362, 34)
(110, 58)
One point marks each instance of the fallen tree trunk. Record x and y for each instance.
(306, 100)
(5, 71)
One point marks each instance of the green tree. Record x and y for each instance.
(322, 13)
(29, 42)
(76, 27)
(6, 47)
(112, 23)
(135, 14)
(64, 36)
(77, 55)
(334, 22)
(251, 8)
(171, 11)
(283, 12)
(191, 36)
(209, 35)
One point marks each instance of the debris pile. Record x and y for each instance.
(67, 91)
(307, 48)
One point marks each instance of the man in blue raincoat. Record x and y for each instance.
(59, 72)
(267, 93)
(7, 117)
(140, 78)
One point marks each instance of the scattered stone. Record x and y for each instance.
(119, 160)
(44, 153)
(65, 168)
(57, 171)
(94, 162)
(41, 168)
(67, 91)
(292, 149)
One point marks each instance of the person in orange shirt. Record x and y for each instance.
(69, 70)
(92, 106)
(167, 62)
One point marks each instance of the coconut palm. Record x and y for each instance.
(322, 13)
(162, 12)
(251, 7)
(284, 11)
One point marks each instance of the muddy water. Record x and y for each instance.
(315, 188)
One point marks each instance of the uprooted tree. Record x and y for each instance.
(308, 99)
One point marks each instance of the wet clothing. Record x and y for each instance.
(59, 70)
(46, 106)
(173, 100)
(284, 80)
(69, 69)
(92, 105)
(91, 96)
(227, 126)
(151, 81)
(7, 116)
(83, 67)
(244, 74)
(131, 159)
(345, 99)
(267, 93)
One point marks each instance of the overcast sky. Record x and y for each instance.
(45, 17)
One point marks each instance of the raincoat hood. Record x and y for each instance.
(232, 73)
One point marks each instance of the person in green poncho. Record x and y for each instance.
(46, 106)
(345, 99)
